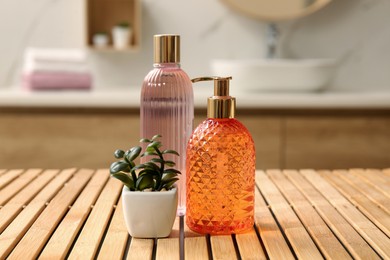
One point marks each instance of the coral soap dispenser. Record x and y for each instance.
(220, 168)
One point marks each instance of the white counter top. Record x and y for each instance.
(129, 98)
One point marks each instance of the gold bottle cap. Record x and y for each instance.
(221, 105)
(166, 48)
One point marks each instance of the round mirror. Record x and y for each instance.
(276, 10)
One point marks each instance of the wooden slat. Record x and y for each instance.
(140, 249)
(36, 237)
(376, 178)
(368, 230)
(222, 247)
(8, 177)
(92, 233)
(319, 231)
(369, 190)
(195, 248)
(115, 242)
(15, 231)
(194, 241)
(63, 237)
(175, 233)
(167, 248)
(296, 233)
(15, 205)
(249, 246)
(272, 237)
(367, 206)
(355, 244)
(24, 179)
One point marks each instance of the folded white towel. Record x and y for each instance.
(66, 55)
(31, 66)
(55, 60)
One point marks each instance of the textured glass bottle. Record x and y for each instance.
(167, 104)
(220, 169)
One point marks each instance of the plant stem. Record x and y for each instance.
(159, 183)
(134, 175)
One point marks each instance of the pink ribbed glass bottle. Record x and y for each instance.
(167, 105)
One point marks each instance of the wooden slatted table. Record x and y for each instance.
(306, 214)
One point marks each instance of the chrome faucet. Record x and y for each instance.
(272, 40)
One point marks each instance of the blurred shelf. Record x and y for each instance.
(110, 49)
(103, 15)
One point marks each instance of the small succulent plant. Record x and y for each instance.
(123, 24)
(152, 175)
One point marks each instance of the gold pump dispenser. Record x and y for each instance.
(221, 105)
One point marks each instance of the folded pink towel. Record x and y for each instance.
(56, 80)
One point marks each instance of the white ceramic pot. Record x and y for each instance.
(121, 37)
(149, 214)
(100, 40)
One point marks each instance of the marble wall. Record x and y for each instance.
(356, 32)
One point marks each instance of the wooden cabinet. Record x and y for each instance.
(335, 142)
(266, 132)
(59, 138)
(64, 139)
(103, 15)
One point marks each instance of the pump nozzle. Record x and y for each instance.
(221, 84)
(221, 105)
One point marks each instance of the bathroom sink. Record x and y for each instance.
(288, 75)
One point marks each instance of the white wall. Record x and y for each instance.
(356, 32)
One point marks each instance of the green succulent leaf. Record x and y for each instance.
(150, 149)
(171, 170)
(126, 179)
(152, 165)
(168, 177)
(147, 165)
(119, 166)
(156, 137)
(170, 152)
(145, 140)
(133, 153)
(144, 182)
(157, 160)
(170, 163)
(154, 144)
(137, 167)
(169, 185)
(148, 171)
(149, 153)
(119, 154)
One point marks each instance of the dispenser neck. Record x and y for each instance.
(221, 107)
(167, 65)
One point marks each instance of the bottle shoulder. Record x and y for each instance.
(159, 77)
(216, 139)
(160, 72)
(224, 127)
